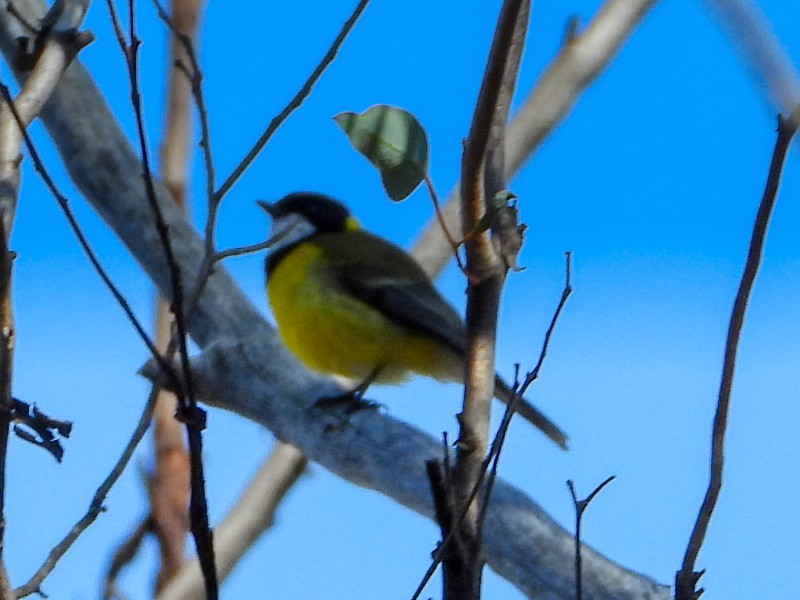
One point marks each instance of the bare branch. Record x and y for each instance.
(57, 42)
(686, 579)
(183, 25)
(253, 514)
(170, 483)
(295, 102)
(499, 439)
(481, 177)
(7, 342)
(580, 508)
(190, 413)
(96, 505)
(493, 457)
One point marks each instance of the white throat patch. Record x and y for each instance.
(292, 227)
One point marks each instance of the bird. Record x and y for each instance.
(350, 303)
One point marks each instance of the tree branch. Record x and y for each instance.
(56, 44)
(169, 485)
(686, 579)
(253, 514)
(96, 506)
(481, 177)
(295, 102)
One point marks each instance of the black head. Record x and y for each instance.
(323, 212)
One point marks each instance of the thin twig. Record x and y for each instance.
(190, 412)
(169, 485)
(242, 250)
(437, 207)
(497, 444)
(195, 76)
(686, 579)
(580, 508)
(64, 204)
(95, 506)
(294, 103)
(132, 58)
(116, 23)
(531, 376)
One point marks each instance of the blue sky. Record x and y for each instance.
(652, 183)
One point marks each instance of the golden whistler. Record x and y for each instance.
(350, 303)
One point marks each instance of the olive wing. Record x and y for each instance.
(385, 277)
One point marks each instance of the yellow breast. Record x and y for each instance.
(336, 333)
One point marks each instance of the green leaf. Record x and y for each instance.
(393, 140)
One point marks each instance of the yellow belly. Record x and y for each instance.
(335, 333)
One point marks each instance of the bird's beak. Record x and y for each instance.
(268, 208)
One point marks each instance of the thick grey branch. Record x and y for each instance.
(521, 542)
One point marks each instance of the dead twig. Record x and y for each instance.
(482, 177)
(33, 585)
(492, 458)
(190, 413)
(294, 103)
(686, 578)
(580, 508)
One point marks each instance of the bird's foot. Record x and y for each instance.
(351, 402)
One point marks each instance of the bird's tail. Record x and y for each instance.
(530, 413)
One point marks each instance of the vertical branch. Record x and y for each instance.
(686, 579)
(169, 485)
(10, 158)
(482, 173)
(580, 508)
(55, 46)
(439, 475)
(6, 358)
(189, 412)
(253, 514)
